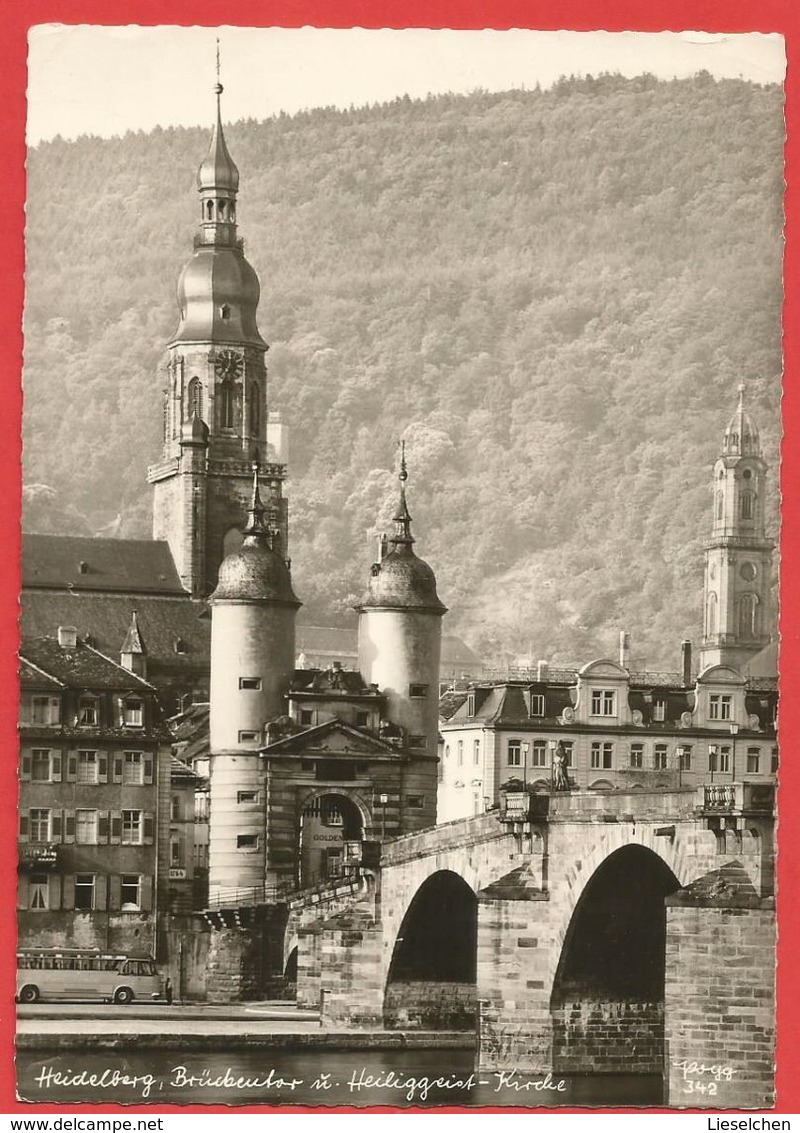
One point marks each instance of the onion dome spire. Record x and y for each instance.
(402, 518)
(741, 437)
(401, 580)
(255, 529)
(218, 171)
(256, 572)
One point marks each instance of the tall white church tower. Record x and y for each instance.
(737, 616)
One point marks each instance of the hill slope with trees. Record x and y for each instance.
(551, 295)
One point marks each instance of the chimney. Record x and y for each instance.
(686, 662)
(542, 670)
(624, 648)
(68, 637)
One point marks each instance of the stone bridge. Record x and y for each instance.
(585, 933)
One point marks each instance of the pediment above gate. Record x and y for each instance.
(334, 737)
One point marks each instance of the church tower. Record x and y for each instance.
(253, 610)
(399, 649)
(738, 556)
(215, 406)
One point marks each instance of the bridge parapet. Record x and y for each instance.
(440, 839)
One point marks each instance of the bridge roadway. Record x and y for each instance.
(590, 932)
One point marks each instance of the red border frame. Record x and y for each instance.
(578, 15)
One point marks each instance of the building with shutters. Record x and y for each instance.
(94, 806)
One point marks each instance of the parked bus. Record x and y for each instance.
(78, 973)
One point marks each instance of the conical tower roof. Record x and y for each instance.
(741, 436)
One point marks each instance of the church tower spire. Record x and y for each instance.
(738, 555)
(215, 411)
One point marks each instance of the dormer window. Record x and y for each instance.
(45, 710)
(133, 712)
(88, 711)
(659, 711)
(720, 706)
(179, 645)
(603, 702)
(471, 704)
(537, 704)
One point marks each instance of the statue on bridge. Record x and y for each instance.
(560, 778)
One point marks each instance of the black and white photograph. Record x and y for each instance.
(399, 612)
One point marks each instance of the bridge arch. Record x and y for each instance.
(431, 979)
(607, 1000)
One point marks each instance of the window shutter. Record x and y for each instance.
(116, 827)
(25, 768)
(72, 766)
(102, 767)
(22, 891)
(56, 826)
(117, 768)
(69, 825)
(121, 710)
(146, 893)
(23, 826)
(100, 891)
(55, 766)
(114, 891)
(68, 892)
(54, 891)
(148, 830)
(55, 709)
(148, 767)
(102, 827)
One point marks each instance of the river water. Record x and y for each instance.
(310, 1077)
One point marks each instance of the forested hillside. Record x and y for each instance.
(551, 296)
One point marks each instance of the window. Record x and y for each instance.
(773, 762)
(84, 891)
(131, 827)
(514, 753)
(194, 403)
(660, 757)
(602, 754)
(417, 691)
(362, 719)
(87, 767)
(753, 760)
(748, 615)
(40, 765)
(724, 758)
(460, 749)
(306, 717)
(637, 755)
(539, 755)
(476, 752)
(133, 768)
(226, 405)
(86, 827)
(447, 751)
(39, 825)
(175, 855)
(537, 704)
(332, 816)
(659, 711)
(130, 892)
(685, 757)
(251, 683)
(88, 713)
(133, 712)
(719, 706)
(45, 710)
(247, 842)
(603, 702)
(747, 505)
(247, 737)
(415, 802)
(417, 741)
(247, 797)
(255, 412)
(567, 745)
(38, 891)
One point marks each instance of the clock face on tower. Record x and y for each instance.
(229, 364)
